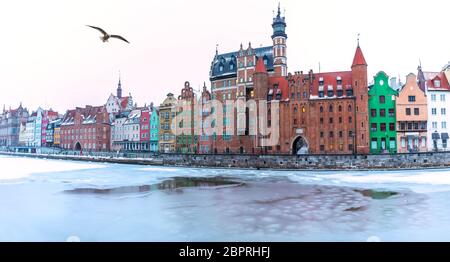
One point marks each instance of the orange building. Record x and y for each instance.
(412, 116)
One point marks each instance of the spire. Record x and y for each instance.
(279, 10)
(217, 49)
(420, 77)
(119, 87)
(260, 66)
(204, 86)
(359, 57)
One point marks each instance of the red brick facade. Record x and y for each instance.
(86, 129)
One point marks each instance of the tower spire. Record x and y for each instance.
(358, 38)
(119, 87)
(279, 9)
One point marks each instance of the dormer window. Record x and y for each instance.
(265, 62)
(349, 92)
(221, 68)
(231, 66)
(321, 92)
(339, 80)
(330, 91)
(437, 83)
(321, 81)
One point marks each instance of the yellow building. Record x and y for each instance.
(167, 138)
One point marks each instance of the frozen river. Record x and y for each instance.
(52, 200)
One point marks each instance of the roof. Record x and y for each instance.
(260, 66)
(430, 78)
(359, 58)
(330, 81)
(283, 86)
(88, 115)
(225, 61)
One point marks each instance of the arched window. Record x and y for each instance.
(349, 108)
(321, 109)
(330, 109)
(295, 110)
(340, 108)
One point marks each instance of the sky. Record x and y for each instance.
(49, 58)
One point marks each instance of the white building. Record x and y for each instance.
(438, 99)
(125, 131)
(116, 103)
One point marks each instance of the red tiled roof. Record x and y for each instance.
(260, 67)
(283, 85)
(330, 79)
(431, 76)
(124, 102)
(359, 58)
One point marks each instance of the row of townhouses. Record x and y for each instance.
(255, 106)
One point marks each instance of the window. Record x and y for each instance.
(321, 134)
(433, 97)
(349, 108)
(408, 111)
(341, 134)
(321, 94)
(411, 98)
(373, 127)
(392, 143)
(340, 109)
(321, 109)
(331, 120)
(340, 120)
(349, 92)
(373, 112)
(350, 133)
(442, 97)
(410, 126)
(382, 99)
(350, 147)
(437, 83)
(321, 120)
(383, 127)
(340, 93)
(403, 142)
(350, 119)
(374, 143)
(444, 125)
(443, 111)
(383, 112)
(433, 111)
(330, 109)
(330, 92)
(322, 148)
(416, 126)
(391, 126)
(331, 134)
(391, 112)
(416, 111)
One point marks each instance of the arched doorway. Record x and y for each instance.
(300, 146)
(78, 146)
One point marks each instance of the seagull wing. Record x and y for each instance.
(119, 37)
(99, 29)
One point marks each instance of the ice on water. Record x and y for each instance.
(112, 202)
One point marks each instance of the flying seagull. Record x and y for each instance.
(107, 36)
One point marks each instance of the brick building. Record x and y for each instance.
(86, 129)
(318, 113)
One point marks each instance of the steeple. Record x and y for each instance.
(420, 77)
(359, 57)
(119, 88)
(279, 25)
(260, 67)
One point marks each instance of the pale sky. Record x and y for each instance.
(49, 58)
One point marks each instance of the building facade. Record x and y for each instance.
(154, 129)
(86, 129)
(319, 113)
(10, 123)
(118, 103)
(412, 117)
(382, 116)
(437, 90)
(167, 112)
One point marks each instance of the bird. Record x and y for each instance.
(107, 36)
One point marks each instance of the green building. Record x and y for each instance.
(154, 129)
(382, 119)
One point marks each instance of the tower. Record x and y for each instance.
(279, 38)
(119, 89)
(360, 88)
